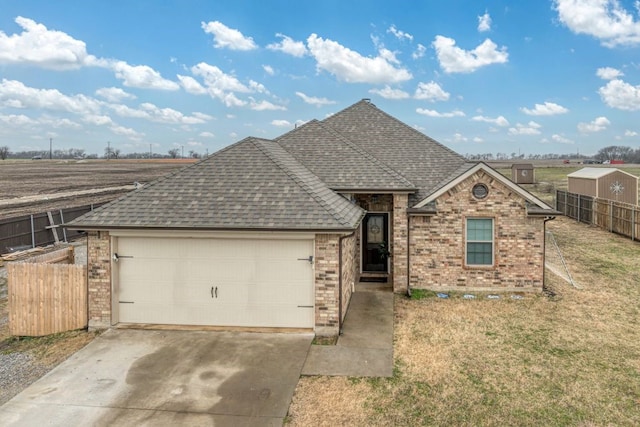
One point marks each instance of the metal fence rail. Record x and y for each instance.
(615, 217)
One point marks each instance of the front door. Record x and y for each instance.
(375, 243)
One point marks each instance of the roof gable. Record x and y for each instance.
(593, 173)
(418, 158)
(340, 163)
(253, 184)
(494, 174)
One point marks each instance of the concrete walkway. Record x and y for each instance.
(365, 349)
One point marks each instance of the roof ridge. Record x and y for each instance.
(267, 147)
(370, 104)
(367, 154)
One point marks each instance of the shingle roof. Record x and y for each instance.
(341, 164)
(594, 173)
(253, 184)
(420, 159)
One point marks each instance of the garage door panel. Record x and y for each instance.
(227, 282)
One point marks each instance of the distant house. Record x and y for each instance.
(523, 173)
(605, 183)
(275, 233)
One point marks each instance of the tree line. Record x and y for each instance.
(79, 154)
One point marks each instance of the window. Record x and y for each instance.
(480, 191)
(479, 241)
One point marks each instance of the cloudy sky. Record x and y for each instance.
(540, 76)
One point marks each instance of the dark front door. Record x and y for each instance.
(375, 242)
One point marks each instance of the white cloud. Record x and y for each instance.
(268, 69)
(431, 92)
(128, 132)
(597, 125)
(114, 94)
(630, 133)
(222, 86)
(621, 95)
(98, 120)
(318, 102)
(141, 76)
(169, 115)
(349, 66)
(265, 106)
(39, 46)
(606, 20)
(608, 73)
(289, 46)
(531, 128)
(434, 113)
(456, 60)
(458, 137)
(225, 37)
(191, 85)
(206, 135)
(16, 120)
(399, 34)
(281, 123)
(561, 139)
(478, 139)
(389, 93)
(498, 121)
(16, 95)
(484, 22)
(546, 109)
(419, 52)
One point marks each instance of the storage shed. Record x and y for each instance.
(523, 173)
(605, 183)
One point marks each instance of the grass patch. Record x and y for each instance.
(49, 349)
(324, 340)
(574, 360)
(418, 294)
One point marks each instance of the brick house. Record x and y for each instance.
(275, 233)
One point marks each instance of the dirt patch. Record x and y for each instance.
(53, 179)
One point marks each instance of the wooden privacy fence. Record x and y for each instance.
(46, 297)
(616, 217)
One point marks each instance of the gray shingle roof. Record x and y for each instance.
(420, 159)
(341, 164)
(253, 184)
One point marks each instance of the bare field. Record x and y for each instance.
(56, 181)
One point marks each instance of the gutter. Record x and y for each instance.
(408, 254)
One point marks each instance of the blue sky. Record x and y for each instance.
(557, 76)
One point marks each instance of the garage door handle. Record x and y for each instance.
(305, 306)
(214, 292)
(309, 258)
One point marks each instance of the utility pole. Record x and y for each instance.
(50, 148)
(108, 150)
(150, 153)
(182, 151)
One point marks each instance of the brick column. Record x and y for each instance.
(399, 241)
(99, 279)
(327, 265)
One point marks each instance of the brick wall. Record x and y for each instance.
(437, 244)
(399, 242)
(326, 280)
(350, 269)
(99, 279)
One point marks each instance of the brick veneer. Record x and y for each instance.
(437, 244)
(99, 279)
(399, 242)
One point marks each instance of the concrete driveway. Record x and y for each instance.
(142, 377)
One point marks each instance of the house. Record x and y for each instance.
(275, 233)
(604, 183)
(523, 173)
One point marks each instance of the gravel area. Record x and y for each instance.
(18, 370)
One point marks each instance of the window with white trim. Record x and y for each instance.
(479, 241)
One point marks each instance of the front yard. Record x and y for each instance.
(568, 359)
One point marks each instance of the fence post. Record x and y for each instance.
(611, 216)
(33, 233)
(578, 212)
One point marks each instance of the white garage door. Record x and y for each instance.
(226, 282)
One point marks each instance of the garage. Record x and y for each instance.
(214, 281)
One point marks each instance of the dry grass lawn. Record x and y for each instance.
(570, 359)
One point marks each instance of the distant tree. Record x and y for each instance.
(615, 152)
(194, 154)
(174, 153)
(4, 152)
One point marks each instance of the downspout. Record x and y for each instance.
(544, 252)
(340, 280)
(408, 255)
